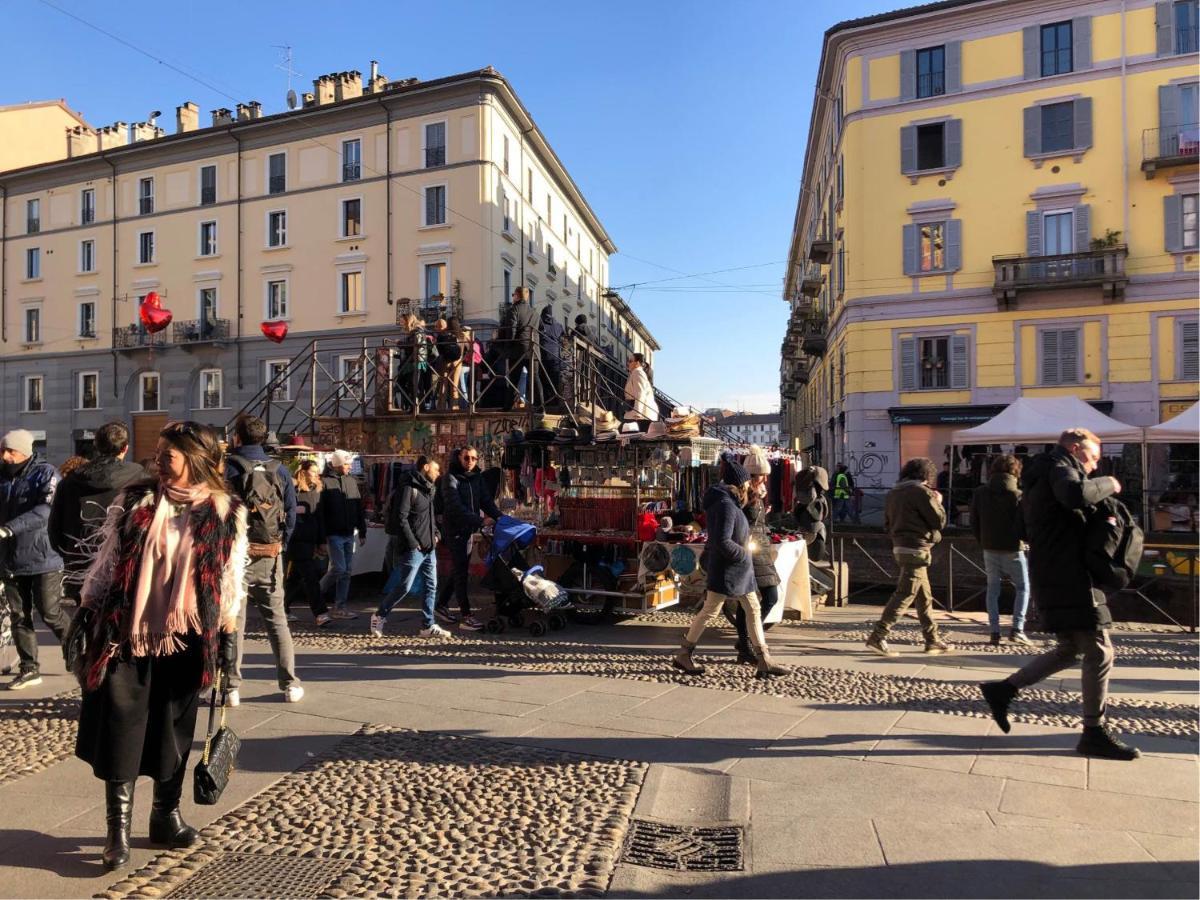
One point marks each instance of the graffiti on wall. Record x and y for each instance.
(867, 468)
(409, 437)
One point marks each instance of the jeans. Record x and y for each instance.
(841, 509)
(768, 596)
(341, 561)
(912, 588)
(1096, 652)
(415, 572)
(998, 563)
(464, 384)
(714, 601)
(457, 582)
(43, 592)
(264, 588)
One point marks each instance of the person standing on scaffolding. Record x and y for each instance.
(550, 336)
(521, 330)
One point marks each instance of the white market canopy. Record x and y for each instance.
(1183, 429)
(1040, 420)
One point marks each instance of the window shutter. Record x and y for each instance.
(1164, 31)
(912, 245)
(952, 135)
(1068, 360)
(1168, 119)
(1033, 233)
(908, 149)
(430, 206)
(1032, 51)
(953, 58)
(1081, 43)
(960, 371)
(1083, 228)
(1189, 351)
(1033, 130)
(1173, 223)
(1050, 370)
(908, 364)
(1083, 123)
(953, 245)
(908, 74)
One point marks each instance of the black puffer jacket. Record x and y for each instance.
(464, 496)
(996, 514)
(410, 513)
(310, 529)
(25, 500)
(1055, 504)
(342, 508)
(81, 504)
(765, 574)
(522, 325)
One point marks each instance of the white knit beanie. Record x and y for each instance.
(756, 461)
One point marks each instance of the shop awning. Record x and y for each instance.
(1183, 429)
(1040, 420)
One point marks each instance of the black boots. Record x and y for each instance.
(166, 824)
(744, 654)
(1098, 742)
(118, 803)
(999, 694)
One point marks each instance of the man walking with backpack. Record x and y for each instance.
(1061, 505)
(265, 486)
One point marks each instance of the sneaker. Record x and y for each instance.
(1098, 742)
(376, 625)
(24, 680)
(324, 619)
(343, 613)
(294, 694)
(880, 646)
(233, 698)
(434, 630)
(1018, 637)
(999, 694)
(292, 617)
(448, 616)
(995, 640)
(936, 647)
(470, 623)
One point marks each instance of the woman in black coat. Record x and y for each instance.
(304, 550)
(766, 578)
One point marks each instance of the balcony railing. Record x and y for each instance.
(812, 335)
(200, 331)
(145, 206)
(134, 338)
(1187, 40)
(430, 309)
(208, 195)
(1165, 147)
(811, 280)
(435, 156)
(1103, 268)
(821, 252)
(277, 184)
(351, 171)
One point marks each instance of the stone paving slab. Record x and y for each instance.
(1122, 811)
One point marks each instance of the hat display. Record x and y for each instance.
(516, 436)
(656, 558)
(566, 436)
(657, 430)
(630, 428)
(540, 436)
(757, 462)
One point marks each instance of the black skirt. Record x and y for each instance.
(142, 719)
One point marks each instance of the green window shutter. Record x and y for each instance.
(953, 58)
(908, 149)
(1033, 233)
(1189, 351)
(1083, 123)
(1033, 130)
(1031, 46)
(1050, 351)
(960, 365)
(912, 248)
(1068, 360)
(1173, 223)
(952, 135)
(953, 245)
(1164, 29)
(908, 74)
(1081, 43)
(1168, 119)
(908, 364)
(1083, 227)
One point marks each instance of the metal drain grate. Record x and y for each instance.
(684, 849)
(262, 877)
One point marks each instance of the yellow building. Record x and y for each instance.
(999, 199)
(39, 131)
(366, 201)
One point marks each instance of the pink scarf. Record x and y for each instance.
(164, 602)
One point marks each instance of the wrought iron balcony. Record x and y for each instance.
(430, 309)
(1163, 148)
(811, 280)
(821, 252)
(435, 156)
(132, 337)
(200, 331)
(813, 335)
(1103, 268)
(351, 171)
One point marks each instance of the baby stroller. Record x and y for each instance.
(523, 598)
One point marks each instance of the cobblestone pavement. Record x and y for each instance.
(35, 734)
(398, 813)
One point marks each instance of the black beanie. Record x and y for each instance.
(735, 473)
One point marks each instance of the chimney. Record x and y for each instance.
(378, 83)
(221, 116)
(255, 109)
(81, 140)
(114, 135)
(323, 89)
(145, 131)
(374, 69)
(348, 85)
(187, 117)
(243, 112)
(308, 99)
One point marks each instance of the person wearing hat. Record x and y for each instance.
(729, 565)
(766, 578)
(344, 517)
(34, 570)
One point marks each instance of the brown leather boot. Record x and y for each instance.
(683, 659)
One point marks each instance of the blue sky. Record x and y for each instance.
(683, 123)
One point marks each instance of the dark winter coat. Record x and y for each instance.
(726, 560)
(996, 514)
(522, 326)
(310, 527)
(410, 513)
(342, 509)
(287, 487)
(464, 495)
(25, 501)
(913, 516)
(1057, 498)
(550, 334)
(765, 574)
(448, 348)
(81, 504)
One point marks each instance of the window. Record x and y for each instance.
(841, 269)
(87, 206)
(87, 256)
(529, 185)
(1056, 49)
(931, 146)
(208, 238)
(351, 294)
(931, 72)
(933, 247)
(1057, 127)
(1180, 222)
(276, 372)
(506, 207)
(1188, 203)
(1186, 20)
(435, 280)
(276, 173)
(87, 319)
(435, 144)
(935, 362)
(435, 205)
(550, 255)
(33, 263)
(352, 217)
(35, 398)
(33, 216)
(1058, 233)
(1189, 351)
(87, 390)
(351, 368)
(145, 196)
(149, 389)
(145, 247)
(508, 288)
(207, 309)
(277, 228)
(33, 325)
(505, 155)
(208, 185)
(351, 160)
(1059, 352)
(210, 389)
(277, 300)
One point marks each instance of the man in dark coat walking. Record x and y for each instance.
(1057, 500)
(468, 504)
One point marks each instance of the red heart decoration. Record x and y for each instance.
(274, 331)
(152, 300)
(155, 318)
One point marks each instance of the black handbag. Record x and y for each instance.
(220, 755)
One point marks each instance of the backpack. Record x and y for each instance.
(258, 486)
(1113, 545)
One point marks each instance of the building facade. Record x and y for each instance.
(999, 199)
(755, 428)
(328, 220)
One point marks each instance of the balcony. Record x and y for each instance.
(811, 281)
(430, 309)
(1164, 148)
(200, 331)
(133, 337)
(435, 156)
(812, 335)
(821, 252)
(1103, 268)
(351, 171)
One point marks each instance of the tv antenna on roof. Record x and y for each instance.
(286, 66)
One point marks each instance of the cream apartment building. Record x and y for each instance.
(365, 201)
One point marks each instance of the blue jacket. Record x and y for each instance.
(25, 501)
(727, 562)
(255, 452)
(464, 494)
